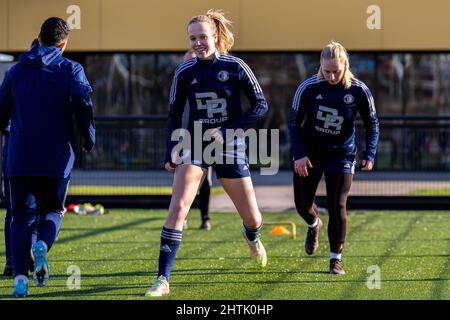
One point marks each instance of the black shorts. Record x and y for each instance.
(230, 164)
(334, 164)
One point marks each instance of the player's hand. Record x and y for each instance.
(169, 166)
(301, 166)
(217, 135)
(366, 165)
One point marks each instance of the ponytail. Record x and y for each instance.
(221, 27)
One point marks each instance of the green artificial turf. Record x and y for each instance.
(118, 256)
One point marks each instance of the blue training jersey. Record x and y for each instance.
(42, 97)
(211, 89)
(322, 119)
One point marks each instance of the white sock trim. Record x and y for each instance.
(20, 277)
(314, 224)
(335, 255)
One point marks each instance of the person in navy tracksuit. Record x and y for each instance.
(9, 268)
(42, 96)
(212, 84)
(322, 128)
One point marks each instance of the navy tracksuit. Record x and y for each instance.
(42, 96)
(8, 215)
(211, 89)
(322, 127)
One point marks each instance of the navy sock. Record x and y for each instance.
(21, 245)
(252, 234)
(170, 242)
(48, 229)
(8, 253)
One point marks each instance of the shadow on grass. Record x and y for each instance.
(101, 260)
(245, 258)
(333, 279)
(105, 275)
(84, 292)
(113, 242)
(93, 276)
(246, 271)
(97, 231)
(389, 248)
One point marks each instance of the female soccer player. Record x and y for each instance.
(322, 128)
(205, 188)
(212, 84)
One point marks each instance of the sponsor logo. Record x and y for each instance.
(332, 122)
(194, 81)
(319, 97)
(213, 105)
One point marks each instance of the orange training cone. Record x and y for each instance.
(279, 230)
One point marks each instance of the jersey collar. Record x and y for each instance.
(210, 61)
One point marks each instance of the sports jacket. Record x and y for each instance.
(42, 95)
(212, 90)
(322, 119)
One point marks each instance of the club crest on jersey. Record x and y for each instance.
(348, 98)
(223, 76)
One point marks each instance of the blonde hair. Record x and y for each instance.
(220, 26)
(335, 50)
